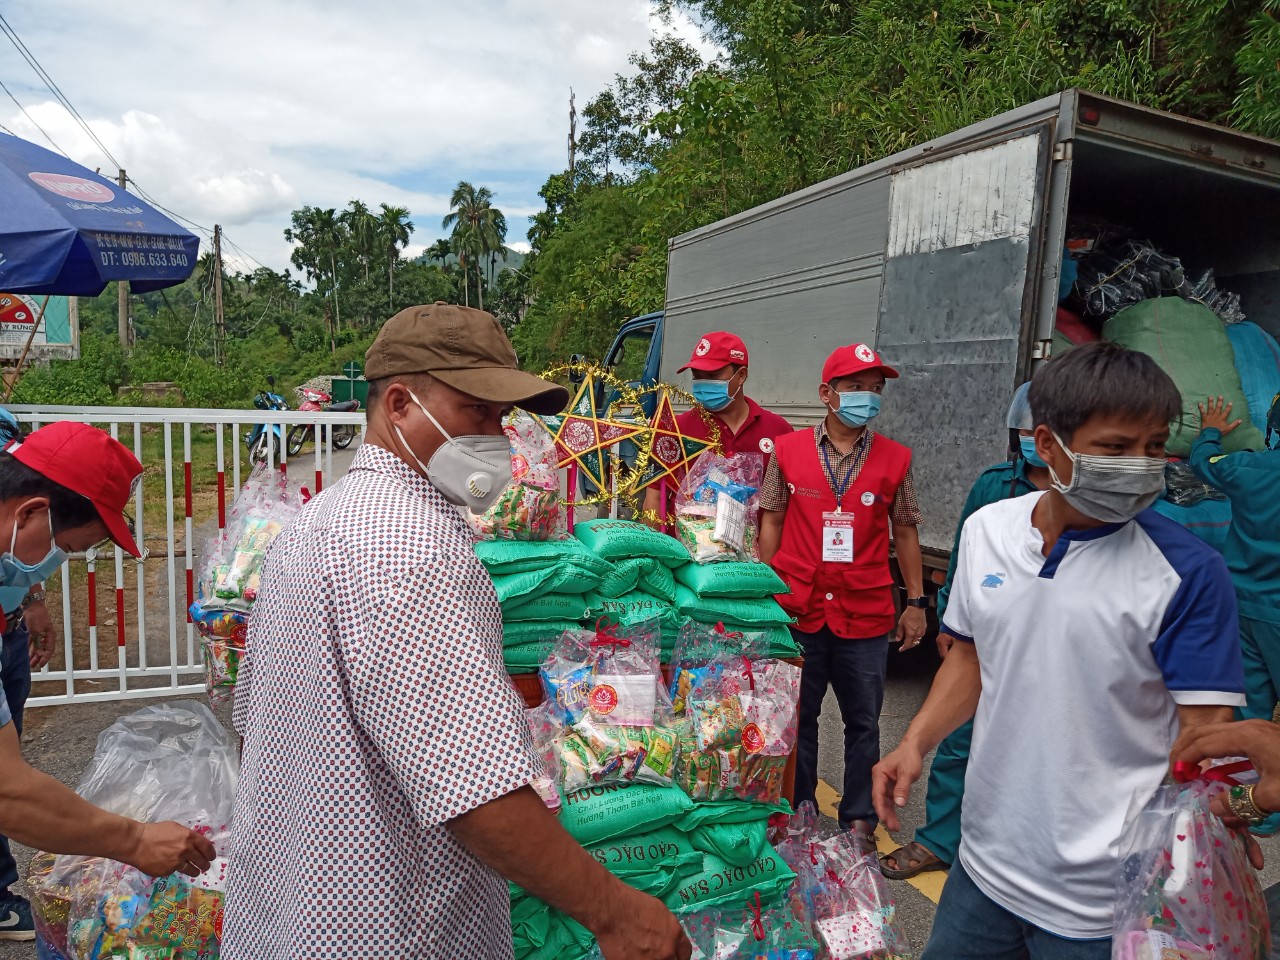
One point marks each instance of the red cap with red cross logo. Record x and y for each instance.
(89, 462)
(854, 358)
(717, 350)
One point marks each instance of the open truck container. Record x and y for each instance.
(946, 257)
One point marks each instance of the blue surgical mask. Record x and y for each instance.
(1029, 454)
(857, 407)
(712, 394)
(16, 574)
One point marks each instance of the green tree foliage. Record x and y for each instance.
(805, 91)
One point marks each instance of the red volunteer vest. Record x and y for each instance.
(855, 600)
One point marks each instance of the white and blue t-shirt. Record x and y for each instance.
(1085, 657)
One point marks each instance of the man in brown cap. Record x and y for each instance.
(385, 794)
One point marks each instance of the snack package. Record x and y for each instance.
(604, 688)
(530, 508)
(1185, 888)
(717, 507)
(170, 761)
(222, 643)
(232, 573)
(738, 715)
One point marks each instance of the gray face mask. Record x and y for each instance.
(1110, 489)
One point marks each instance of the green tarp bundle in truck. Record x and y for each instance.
(1190, 344)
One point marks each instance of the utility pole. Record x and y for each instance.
(123, 288)
(219, 320)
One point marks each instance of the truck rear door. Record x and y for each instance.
(956, 308)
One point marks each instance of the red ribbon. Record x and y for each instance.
(1185, 771)
(813, 857)
(607, 636)
(831, 875)
(736, 635)
(751, 674)
(757, 923)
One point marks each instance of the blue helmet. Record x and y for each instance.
(9, 428)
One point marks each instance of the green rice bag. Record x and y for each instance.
(737, 844)
(663, 850)
(615, 810)
(568, 577)
(733, 578)
(634, 607)
(521, 556)
(515, 633)
(626, 539)
(549, 606)
(736, 611)
(527, 657)
(728, 811)
(639, 573)
(722, 882)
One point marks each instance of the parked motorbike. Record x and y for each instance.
(342, 434)
(260, 438)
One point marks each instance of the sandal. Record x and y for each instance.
(917, 859)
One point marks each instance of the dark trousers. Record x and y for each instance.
(15, 677)
(969, 925)
(855, 669)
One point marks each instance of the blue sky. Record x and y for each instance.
(238, 112)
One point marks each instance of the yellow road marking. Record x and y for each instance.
(930, 884)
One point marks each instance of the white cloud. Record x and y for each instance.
(241, 112)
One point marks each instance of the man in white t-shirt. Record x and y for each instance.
(1090, 632)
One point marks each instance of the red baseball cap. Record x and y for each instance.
(854, 358)
(89, 462)
(717, 350)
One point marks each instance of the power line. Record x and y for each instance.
(31, 118)
(35, 64)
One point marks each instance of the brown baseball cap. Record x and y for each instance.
(465, 348)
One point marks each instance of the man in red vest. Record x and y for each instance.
(831, 496)
(719, 365)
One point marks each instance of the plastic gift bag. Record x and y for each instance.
(530, 508)
(738, 715)
(1186, 889)
(233, 570)
(717, 507)
(605, 688)
(170, 761)
(843, 891)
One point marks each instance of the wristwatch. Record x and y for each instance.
(35, 596)
(920, 603)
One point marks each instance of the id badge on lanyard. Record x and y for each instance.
(837, 537)
(837, 526)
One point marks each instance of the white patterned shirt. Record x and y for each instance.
(374, 708)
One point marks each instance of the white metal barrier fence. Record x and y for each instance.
(156, 651)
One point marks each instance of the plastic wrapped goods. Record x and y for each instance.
(170, 761)
(530, 508)
(717, 507)
(1186, 888)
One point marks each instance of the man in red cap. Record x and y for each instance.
(831, 497)
(63, 490)
(719, 365)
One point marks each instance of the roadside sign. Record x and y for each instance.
(56, 322)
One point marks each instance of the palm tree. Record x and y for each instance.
(362, 226)
(440, 250)
(328, 231)
(393, 230)
(478, 229)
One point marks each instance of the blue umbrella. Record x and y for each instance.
(65, 230)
